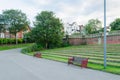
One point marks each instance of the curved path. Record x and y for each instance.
(17, 66)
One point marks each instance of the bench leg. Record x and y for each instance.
(70, 63)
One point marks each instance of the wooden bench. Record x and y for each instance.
(78, 60)
(38, 55)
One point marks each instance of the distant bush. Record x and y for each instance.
(32, 48)
(12, 41)
(20, 40)
(3, 41)
(9, 41)
(65, 44)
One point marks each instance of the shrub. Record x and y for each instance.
(65, 44)
(20, 40)
(10, 40)
(3, 41)
(35, 47)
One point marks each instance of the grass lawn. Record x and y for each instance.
(93, 52)
(6, 47)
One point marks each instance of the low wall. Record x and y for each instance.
(111, 39)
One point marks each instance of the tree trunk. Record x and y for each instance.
(46, 45)
(16, 38)
(10, 38)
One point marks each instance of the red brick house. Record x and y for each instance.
(19, 34)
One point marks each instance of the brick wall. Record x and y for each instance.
(111, 39)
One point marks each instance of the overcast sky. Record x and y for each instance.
(79, 11)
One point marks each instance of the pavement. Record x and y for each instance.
(17, 66)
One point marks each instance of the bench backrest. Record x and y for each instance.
(78, 59)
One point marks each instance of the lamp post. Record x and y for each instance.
(105, 65)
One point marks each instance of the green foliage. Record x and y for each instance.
(17, 20)
(3, 41)
(27, 38)
(32, 48)
(12, 41)
(20, 40)
(93, 26)
(9, 41)
(65, 44)
(48, 31)
(3, 22)
(115, 25)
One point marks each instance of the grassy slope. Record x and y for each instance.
(94, 52)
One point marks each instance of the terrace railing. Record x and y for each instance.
(112, 33)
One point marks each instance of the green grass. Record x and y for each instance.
(93, 52)
(6, 47)
(114, 70)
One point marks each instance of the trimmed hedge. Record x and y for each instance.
(10, 41)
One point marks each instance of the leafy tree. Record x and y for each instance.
(115, 25)
(27, 37)
(17, 20)
(2, 28)
(93, 26)
(48, 31)
(3, 24)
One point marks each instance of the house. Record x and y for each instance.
(71, 28)
(20, 34)
(108, 28)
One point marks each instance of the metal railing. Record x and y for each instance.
(112, 33)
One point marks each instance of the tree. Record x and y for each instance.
(93, 26)
(17, 20)
(2, 29)
(48, 31)
(3, 24)
(115, 25)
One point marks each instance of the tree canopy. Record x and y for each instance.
(17, 20)
(115, 25)
(93, 26)
(48, 30)
(2, 23)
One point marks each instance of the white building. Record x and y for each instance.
(71, 28)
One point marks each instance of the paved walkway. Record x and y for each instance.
(17, 66)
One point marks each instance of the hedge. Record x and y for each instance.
(10, 41)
